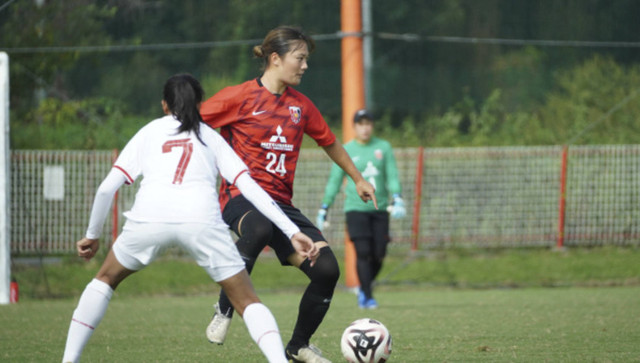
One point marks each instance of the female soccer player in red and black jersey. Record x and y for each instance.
(264, 121)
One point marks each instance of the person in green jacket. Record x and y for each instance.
(367, 226)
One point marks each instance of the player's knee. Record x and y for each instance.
(255, 232)
(326, 270)
(256, 226)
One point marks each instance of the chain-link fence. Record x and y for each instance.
(482, 197)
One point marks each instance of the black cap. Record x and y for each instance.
(360, 114)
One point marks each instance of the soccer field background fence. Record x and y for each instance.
(456, 197)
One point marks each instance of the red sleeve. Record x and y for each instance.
(317, 127)
(221, 108)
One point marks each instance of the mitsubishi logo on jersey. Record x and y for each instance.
(277, 142)
(278, 137)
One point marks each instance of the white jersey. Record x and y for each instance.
(179, 184)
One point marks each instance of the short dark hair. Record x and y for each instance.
(362, 114)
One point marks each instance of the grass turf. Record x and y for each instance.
(454, 306)
(574, 324)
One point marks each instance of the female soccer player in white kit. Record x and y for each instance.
(179, 158)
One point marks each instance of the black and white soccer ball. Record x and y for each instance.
(366, 340)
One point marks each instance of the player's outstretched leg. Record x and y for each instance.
(86, 317)
(255, 234)
(263, 329)
(314, 306)
(258, 318)
(93, 305)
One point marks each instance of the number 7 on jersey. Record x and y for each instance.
(187, 150)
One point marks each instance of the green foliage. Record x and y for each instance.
(586, 94)
(576, 109)
(426, 92)
(214, 82)
(593, 103)
(55, 23)
(523, 77)
(86, 124)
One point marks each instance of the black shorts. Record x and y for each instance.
(372, 225)
(239, 206)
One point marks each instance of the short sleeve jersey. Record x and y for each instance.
(266, 131)
(179, 172)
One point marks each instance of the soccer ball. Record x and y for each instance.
(366, 340)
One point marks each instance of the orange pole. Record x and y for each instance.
(563, 198)
(353, 99)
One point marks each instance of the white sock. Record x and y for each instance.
(88, 314)
(263, 329)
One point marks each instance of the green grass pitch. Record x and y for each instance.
(575, 324)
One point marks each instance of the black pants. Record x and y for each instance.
(369, 232)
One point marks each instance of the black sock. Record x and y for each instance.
(316, 298)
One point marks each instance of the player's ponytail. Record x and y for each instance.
(183, 95)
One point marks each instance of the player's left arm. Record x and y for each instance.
(397, 208)
(339, 155)
(391, 171)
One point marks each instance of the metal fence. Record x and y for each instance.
(484, 197)
(490, 196)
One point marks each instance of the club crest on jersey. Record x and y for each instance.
(378, 154)
(296, 113)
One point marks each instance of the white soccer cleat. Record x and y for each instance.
(218, 327)
(309, 354)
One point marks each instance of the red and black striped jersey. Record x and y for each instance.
(266, 131)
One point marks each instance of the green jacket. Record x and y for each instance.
(377, 164)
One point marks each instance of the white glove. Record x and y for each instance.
(398, 210)
(321, 219)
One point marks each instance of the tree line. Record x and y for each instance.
(425, 91)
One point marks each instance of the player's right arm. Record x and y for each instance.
(125, 170)
(88, 246)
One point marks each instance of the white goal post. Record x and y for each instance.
(5, 182)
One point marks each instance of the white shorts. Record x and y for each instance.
(210, 245)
